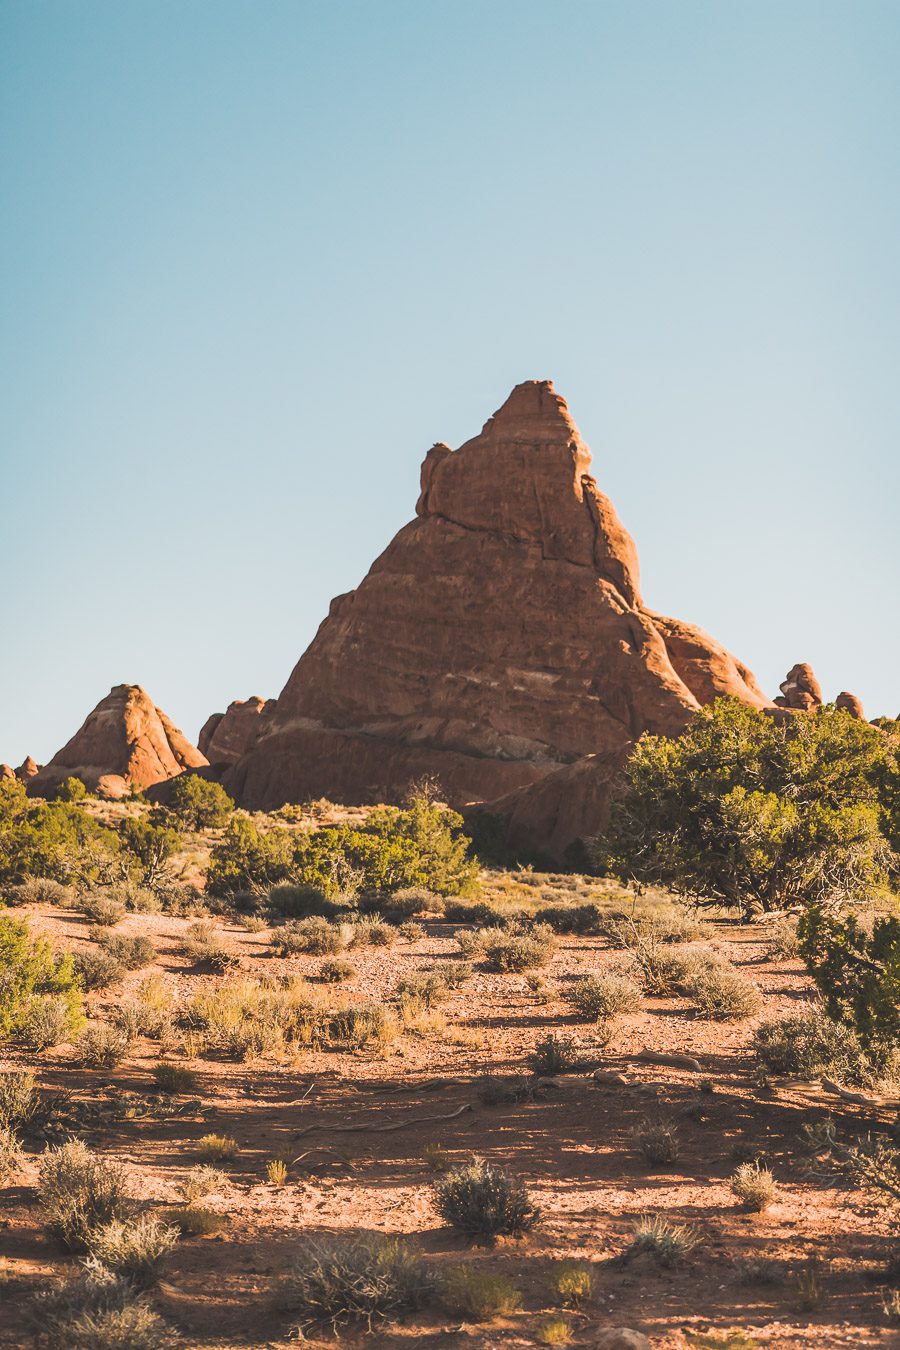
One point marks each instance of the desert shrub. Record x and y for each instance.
(174, 1078)
(857, 972)
(217, 1147)
(553, 1055)
(315, 935)
(149, 1010)
(302, 902)
(79, 1192)
(333, 1280)
(403, 904)
(196, 1220)
(29, 967)
(433, 986)
(43, 891)
(554, 1330)
(373, 933)
(9, 1154)
(754, 1185)
(784, 938)
(484, 1202)
(668, 1243)
(361, 1025)
(97, 969)
(752, 811)
(20, 1101)
(657, 1140)
(410, 931)
(722, 993)
(493, 1089)
(69, 790)
(105, 911)
(570, 1283)
(133, 951)
(659, 927)
(602, 996)
(97, 1311)
(150, 846)
(133, 1248)
(478, 1295)
(101, 1046)
(581, 919)
(249, 859)
(336, 971)
(202, 1181)
(810, 1044)
(520, 948)
(480, 912)
(198, 804)
(137, 898)
(208, 947)
(48, 1020)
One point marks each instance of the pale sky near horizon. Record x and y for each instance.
(256, 257)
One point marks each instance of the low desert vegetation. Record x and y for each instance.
(354, 1278)
(484, 1202)
(474, 1294)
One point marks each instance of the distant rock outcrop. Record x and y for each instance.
(226, 736)
(27, 770)
(850, 703)
(126, 743)
(800, 689)
(499, 638)
(7, 771)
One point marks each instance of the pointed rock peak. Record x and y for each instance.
(536, 413)
(27, 769)
(125, 742)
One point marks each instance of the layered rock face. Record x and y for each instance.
(499, 638)
(226, 736)
(126, 742)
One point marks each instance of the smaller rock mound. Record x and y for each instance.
(849, 703)
(7, 771)
(226, 736)
(125, 743)
(800, 690)
(27, 770)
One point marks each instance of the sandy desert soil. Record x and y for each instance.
(570, 1142)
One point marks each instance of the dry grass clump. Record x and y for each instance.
(133, 950)
(206, 946)
(174, 1078)
(354, 1278)
(98, 1311)
(97, 969)
(197, 1221)
(202, 1181)
(753, 1184)
(484, 1202)
(668, 1243)
(603, 996)
(478, 1295)
(101, 1046)
(9, 1154)
(244, 1016)
(149, 1010)
(20, 1102)
(553, 1055)
(435, 985)
(372, 933)
(555, 1330)
(361, 1025)
(277, 1171)
(570, 1283)
(520, 948)
(784, 939)
(662, 926)
(134, 1248)
(657, 1140)
(217, 1147)
(314, 936)
(336, 971)
(80, 1192)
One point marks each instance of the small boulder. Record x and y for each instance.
(849, 703)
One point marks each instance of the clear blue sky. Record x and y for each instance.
(258, 256)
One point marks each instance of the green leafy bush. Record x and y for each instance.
(57, 840)
(857, 972)
(29, 968)
(69, 790)
(756, 812)
(198, 804)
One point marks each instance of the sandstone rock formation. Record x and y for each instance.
(7, 771)
(800, 690)
(27, 770)
(125, 743)
(226, 736)
(499, 638)
(851, 704)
